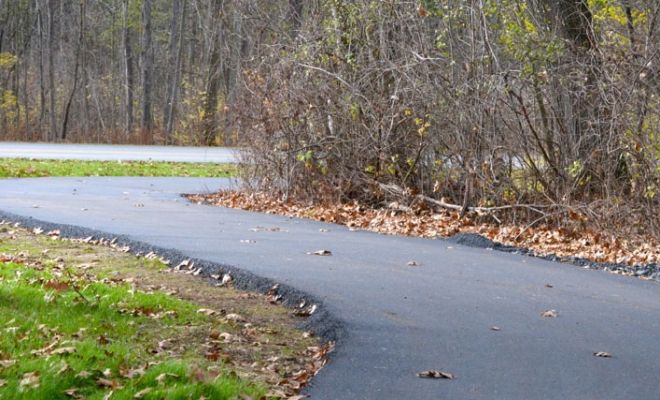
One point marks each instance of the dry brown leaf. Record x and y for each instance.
(83, 375)
(30, 380)
(435, 374)
(142, 393)
(56, 285)
(2, 382)
(234, 318)
(63, 351)
(207, 311)
(323, 253)
(131, 373)
(108, 383)
(163, 377)
(74, 393)
(64, 368)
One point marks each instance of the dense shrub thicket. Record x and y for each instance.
(481, 103)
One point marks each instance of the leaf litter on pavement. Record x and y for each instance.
(579, 240)
(95, 320)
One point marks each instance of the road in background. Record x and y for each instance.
(105, 152)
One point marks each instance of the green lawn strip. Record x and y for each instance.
(26, 168)
(79, 320)
(91, 340)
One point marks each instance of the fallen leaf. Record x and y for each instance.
(83, 375)
(549, 286)
(63, 350)
(550, 314)
(413, 263)
(306, 312)
(235, 318)
(56, 285)
(163, 377)
(495, 328)
(435, 374)
(73, 393)
(108, 383)
(64, 368)
(131, 373)
(165, 344)
(320, 253)
(142, 393)
(2, 382)
(30, 380)
(602, 354)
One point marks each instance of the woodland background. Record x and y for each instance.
(544, 110)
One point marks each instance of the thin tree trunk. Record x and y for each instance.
(51, 70)
(175, 82)
(209, 128)
(67, 110)
(128, 70)
(42, 85)
(147, 70)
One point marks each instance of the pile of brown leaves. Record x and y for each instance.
(580, 241)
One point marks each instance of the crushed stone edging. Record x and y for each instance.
(322, 323)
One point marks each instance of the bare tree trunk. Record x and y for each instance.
(67, 110)
(128, 70)
(209, 128)
(51, 69)
(147, 70)
(42, 85)
(173, 87)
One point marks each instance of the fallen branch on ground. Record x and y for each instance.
(400, 192)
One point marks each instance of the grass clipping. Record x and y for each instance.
(80, 320)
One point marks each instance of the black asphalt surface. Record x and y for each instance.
(395, 320)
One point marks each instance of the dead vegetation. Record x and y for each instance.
(576, 239)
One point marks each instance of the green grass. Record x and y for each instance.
(25, 168)
(102, 329)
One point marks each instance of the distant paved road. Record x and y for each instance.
(104, 152)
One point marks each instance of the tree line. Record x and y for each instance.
(550, 105)
(147, 71)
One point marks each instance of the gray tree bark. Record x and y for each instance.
(128, 70)
(173, 56)
(147, 69)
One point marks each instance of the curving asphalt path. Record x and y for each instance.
(397, 320)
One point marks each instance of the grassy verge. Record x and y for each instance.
(25, 168)
(86, 321)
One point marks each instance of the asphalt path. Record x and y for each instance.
(397, 320)
(102, 152)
